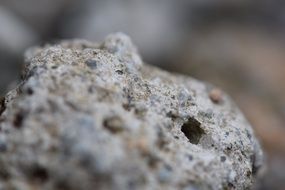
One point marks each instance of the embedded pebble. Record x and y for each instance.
(216, 95)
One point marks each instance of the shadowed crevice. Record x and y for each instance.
(192, 130)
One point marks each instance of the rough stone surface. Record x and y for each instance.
(93, 115)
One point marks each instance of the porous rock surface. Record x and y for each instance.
(93, 116)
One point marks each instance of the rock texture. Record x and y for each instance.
(93, 116)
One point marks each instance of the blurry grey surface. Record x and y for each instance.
(15, 37)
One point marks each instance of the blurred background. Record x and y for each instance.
(235, 44)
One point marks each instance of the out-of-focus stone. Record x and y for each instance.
(89, 115)
(156, 26)
(15, 37)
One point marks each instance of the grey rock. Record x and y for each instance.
(91, 116)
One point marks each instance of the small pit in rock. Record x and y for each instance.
(192, 130)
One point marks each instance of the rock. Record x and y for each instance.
(91, 116)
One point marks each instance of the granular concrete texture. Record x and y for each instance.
(94, 116)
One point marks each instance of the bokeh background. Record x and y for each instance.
(237, 45)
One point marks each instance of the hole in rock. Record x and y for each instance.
(192, 130)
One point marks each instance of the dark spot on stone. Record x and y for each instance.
(91, 89)
(3, 146)
(2, 105)
(63, 183)
(127, 107)
(18, 119)
(172, 115)
(229, 148)
(165, 173)
(52, 105)
(72, 105)
(176, 137)
(208, 114)
(190, 157)
(39, 173)
(130, 98)
(239, 158)
(153, 161)
(120, 72)
(192, 130)
(248, 173)
(91, 63)
(54, 67)
(223, 158)
(254, 166)
(248, 135)
(162, 142)
(230, 185)
(114, 124)
(140, 112)
(4, 173)
(131, 185)
(30, 91)
(168, 167)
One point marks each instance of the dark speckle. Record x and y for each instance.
(136, 79)
(248, 135)
(229, 148)
(172, 115)
(18, 119)
(91, 63)
(207, 114)
(190, 157)
(223, 158)
(120, 72)
(91, 89)
(2, 105)
(4, 174)
(3, 146)
(248, 173)
(176, 137)
(255, 166)
(30, 91)
(165, 173)
(39, 173)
